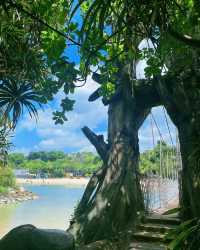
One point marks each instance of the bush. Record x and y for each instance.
(186, 236)
(7, 178)
(3, 190)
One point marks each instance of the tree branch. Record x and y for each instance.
(91, 186)
(188, 40)
(21, 9)
(146, 93)
(98, 142)
(95, 95)
(98, 78)
(144, 89)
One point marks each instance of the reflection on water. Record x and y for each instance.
(53, 209)
(6, 213)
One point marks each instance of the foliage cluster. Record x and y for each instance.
(56, 163)
(163, 154)
(111, 31)
(32, 43)
(186, 236)
(7, 179)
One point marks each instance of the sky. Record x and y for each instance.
(46, 136)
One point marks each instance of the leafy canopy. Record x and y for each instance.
(32, 43)
(108, 36)
(111, 32)
(56, 163)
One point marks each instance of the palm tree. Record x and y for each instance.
(5, 145)
(14, 97)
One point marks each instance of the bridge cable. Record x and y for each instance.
(168, 127)
(160, 134)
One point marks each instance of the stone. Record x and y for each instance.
(29, 237)
(101, 245)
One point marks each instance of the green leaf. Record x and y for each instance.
(179, 241)
(172, 211)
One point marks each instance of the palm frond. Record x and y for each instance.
(15, 97)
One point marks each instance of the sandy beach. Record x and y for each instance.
(55, 181)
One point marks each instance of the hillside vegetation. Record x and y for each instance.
(59, 164)
(56, 163)
(7, 179)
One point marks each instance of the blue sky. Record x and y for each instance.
(45, 135)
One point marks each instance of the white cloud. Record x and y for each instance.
(69, 135)
(146, 134)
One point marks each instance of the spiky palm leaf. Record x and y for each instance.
(14, 97)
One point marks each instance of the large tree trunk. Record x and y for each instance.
(183, 105)
(190, 150)
(113, 196)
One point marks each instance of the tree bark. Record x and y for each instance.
(190, 176)
(98, 142)
(183, 107)
(113, 196)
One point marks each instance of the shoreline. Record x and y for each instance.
(16, 195)
(20, 194)
(82, 181)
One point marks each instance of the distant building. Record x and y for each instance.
(74, 173)
(21, 173)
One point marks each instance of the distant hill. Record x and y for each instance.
(56, 163)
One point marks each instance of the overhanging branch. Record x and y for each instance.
(21, 9)
(188, 40)
(146, 93)
(98, 142)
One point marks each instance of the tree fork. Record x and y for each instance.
(118, 186)
(94, 181)
(98, 142)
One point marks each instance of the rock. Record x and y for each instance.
(101, 245)
(21, 189)
(17, 196)
(28, 237)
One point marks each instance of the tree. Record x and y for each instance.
(16, 159)
(14, 97)
(46, 156)
(150, 159)
(111, 32)
(110, 186)
(109, 37)
(56, 163)
(38, 35)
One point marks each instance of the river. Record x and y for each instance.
(53, 209)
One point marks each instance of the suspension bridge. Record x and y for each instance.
(161, 188)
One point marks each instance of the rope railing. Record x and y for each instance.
(159, 189)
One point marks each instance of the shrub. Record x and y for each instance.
(7, 178)
(3, 190)
(186, 236)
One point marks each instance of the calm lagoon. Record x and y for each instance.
(53, 209)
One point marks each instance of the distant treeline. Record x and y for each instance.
(59, 164)
(159, 160)
(56, 163)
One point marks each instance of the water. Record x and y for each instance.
(56, 204)
(53, 209)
